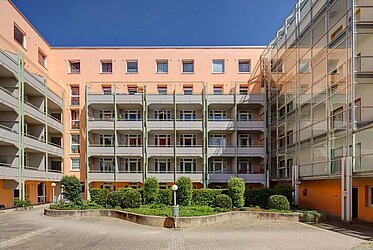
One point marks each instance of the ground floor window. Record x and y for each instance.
(370, 196)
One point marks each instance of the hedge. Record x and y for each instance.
(101, 197)
(115, 198)
(131, 198)
(236, 190)
(278, 202)
(283, 189)
(165, 196)
(151, 189)
(94, 192)
(222, 201)
(184, 192)
(205, 196)
(258, 197)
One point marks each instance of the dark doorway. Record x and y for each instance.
(355, 202)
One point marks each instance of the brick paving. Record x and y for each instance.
(32, 230)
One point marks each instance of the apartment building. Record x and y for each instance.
(318, 73)
(115, 116)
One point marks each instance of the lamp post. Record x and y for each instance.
(175, 207)
(53, 197)
(62, 190)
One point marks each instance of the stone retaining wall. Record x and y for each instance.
(170, 222)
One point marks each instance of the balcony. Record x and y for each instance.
(37, 82)
(8, 99)
(160, 125)
(129, 99)
(254, 98)
(41, 174)
(189, 125)
(35, 143)
(100, 98)
(248, 178)
(251, 125)
(223, 124)
(100, 124)
(9, 171)
(189, 99)
(98, 175)
(9, 61)
(8, 135)
(220, 99)
(160, 99)
(55, 98)
(129, 177)
(124, 150)
(169, 176)
(189, 151)
(55, 149)
(230, 151)
(34, 112)
(56, 124)
(160, 151)
(129, 125)
(100, 150)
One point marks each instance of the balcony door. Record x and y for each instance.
(107, 140)
(162, 140)
(162, 165)
(188, 140)
(107, 165)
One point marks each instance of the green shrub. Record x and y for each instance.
(141, 191)
(184, 192)
(258, 197)
(283, 189)
(101, 197)
(72, 189)
(165, 196)
(223, 201)
(114, 199)
(151, 189)
(205, 196)
(236, 190)
(131, 198)
(93, 192)
(278, 202)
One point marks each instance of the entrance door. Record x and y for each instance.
(41, 194)
(355, 202)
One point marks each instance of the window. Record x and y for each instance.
(162, 66)
(74, 67)
(106, 89)
(132, 165)
(162, 165)
(218, 140)
(370, 196)
(188, 165)
(162, 90)
(19, 36)
(75, 164)
(106, 115)
(106, 67)
(75, 144)
(75, 123)
(289, 137)
(245, 115)
(218, 166)
(132, 140)
(245, 140)
(244, 90)
(162, 115)
(186, 115)
(107, 165)
(304, 66)
(162, 140)
(218, 115)
(217, 66)
(132, 115)
(336, 117)
(245, 166)
(188, 140)
(188, 90)
(74, 101)
(244, 66)
(188, 66)
(132, 67)
(42, 58)
(218, 90)
(277, 66)
(132, 90)
(107, 140)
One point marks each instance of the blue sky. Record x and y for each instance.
(156, 22)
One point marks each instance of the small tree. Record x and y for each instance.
(222, 201)
(114, 198)
(165, 196)
(72, 189)
(131, 198)
(278, 202)
(185, 191)
(151, 189)
(101, 197)
(283, 189)
(236, 190)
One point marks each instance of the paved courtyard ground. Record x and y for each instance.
(32, 230)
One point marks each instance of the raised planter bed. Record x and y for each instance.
(170, 222)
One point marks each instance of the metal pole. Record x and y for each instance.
(174, 124)
(86, 145)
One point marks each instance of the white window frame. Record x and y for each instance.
(137, 67)
(159, 161)
(76, 121)
(72, 168)
(247, 137)
(247, 113)
(103, 62)
(165, 113)
(128, 137)
(218, 140)
(107, 168)
(107, 87)
(44, 58)
(184, 113)
(163, 87)
(242, 61)
(184, 161)
(74, 96)
(162, 136)
(70, 62)
(184, 137)
(246, 88)
(24, 41)
(212, 165)
(214, 61)
(218, 87)
(182, 66)
(249, 165)
(222, 115)
(129, 113)
(132, 89)
(161, 61)
(109, 137)
(104, 115)
(74, 144)
(126, 164)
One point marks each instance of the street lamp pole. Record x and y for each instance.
(53, 198)
(175, 207)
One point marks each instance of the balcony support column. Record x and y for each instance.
(235, 130)
(46, 165)
(174, 125)
(205, 135)
(116, 169)
(21, 127)
(144, 134)
(88, 196)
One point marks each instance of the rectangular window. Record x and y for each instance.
(107, 165)
(132, 165)
(75, 164)
(162, 140)
(245, 140)
(218, 166)
(162, 165)
(106, 89)
(218, 140)
(74, 101)
(188, 90)
(186, 115)
(245, 115)
(304, 66)
(42, 58)
(162, 115)
(106, 115)
(218, 115)
(75, 144)
(370, 196)
(132, 90)
(244, 66)
(188, 165)
(19, 36)
(132, 140)
(217, 66)
(132, 67)
(74, 67)
(244, 90)
(106, 67)
(277, 66)
(75, 123)
(337, 117)
(162, 66)
(162, 90)
(132, 115)
(188, 66)
(188, 140)
(218, 90)
(245, 166)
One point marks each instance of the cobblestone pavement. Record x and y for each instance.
(32, 230)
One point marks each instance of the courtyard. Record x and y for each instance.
(32, 230)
